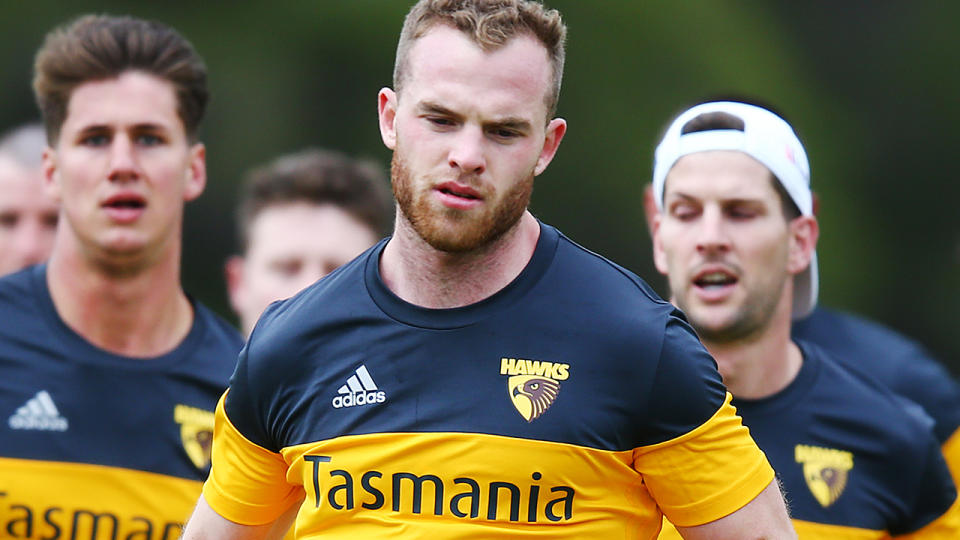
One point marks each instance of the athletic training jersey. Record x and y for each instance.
(852, 463)
(99, 446)
(573, 403)
(896, 361)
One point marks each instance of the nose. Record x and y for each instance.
(467, 152)
(124, 165)
(712, 236)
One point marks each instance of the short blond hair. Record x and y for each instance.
(490, 24)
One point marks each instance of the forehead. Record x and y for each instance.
(132, 98)
(719, 174)
(444, 62)
(308, 227)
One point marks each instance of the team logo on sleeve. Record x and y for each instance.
(196, 433)
(533, 385)
(825, 470)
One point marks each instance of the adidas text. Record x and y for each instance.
(359, 398)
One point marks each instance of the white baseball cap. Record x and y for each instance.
(766, 138)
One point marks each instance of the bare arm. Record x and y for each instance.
(207, 524)
(763, 518)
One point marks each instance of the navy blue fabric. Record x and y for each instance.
(899, 481)
(894, 360)
(637, 373)
(120, 410)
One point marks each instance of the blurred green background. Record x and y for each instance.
(872, 87)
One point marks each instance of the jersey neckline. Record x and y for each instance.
(446, 319)
(798, 388)
(83, 351)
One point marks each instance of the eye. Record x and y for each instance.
(95, 140)
(148, 139)
(440, 121)
(287, 268)
(50, 220)
(684, 211)
(740, 212)
(8, 220)
(504, 133)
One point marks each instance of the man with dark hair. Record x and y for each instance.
(28, 218)
(301, 217)
(735, 234)
(109, 372)
(477, 374)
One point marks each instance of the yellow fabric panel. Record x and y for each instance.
(55, 500)
(243, 472)
(609, 500)
(951, 452)
(805, 531)
(721, 467)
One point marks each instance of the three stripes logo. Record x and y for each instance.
(359, 390)
(38, 413)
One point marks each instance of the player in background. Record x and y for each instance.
(300, 217)
(28, 218)
(109, 372)
(736, 236)
(901, 364)
(393, 391)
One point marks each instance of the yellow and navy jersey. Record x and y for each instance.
(572, 403)
(94, 445)
(852, 462)
(895, 361)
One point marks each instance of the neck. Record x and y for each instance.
(424, 276)
(137, 310)
(763, 363)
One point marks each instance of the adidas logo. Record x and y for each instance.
(38, 413)
(359, 390)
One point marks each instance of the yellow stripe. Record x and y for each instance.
(53, 500)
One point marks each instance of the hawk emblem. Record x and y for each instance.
(532, 394)
(825, 471)
(196, 433)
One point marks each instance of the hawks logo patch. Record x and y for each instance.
(533, 385)
(196, 433)
(825, 470)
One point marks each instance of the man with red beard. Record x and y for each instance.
(479, 375)
(735, 235)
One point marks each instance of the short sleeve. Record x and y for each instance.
(706, 474)
(701, 463)
(247, 483)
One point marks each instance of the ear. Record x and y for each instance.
(659, 255)
(387, 113)
(233, 271)
(51, 174)
(556, 129)
(196, 172)
(804, 232)
(649, 206)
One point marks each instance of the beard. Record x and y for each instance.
(750, 318)
(451, 230)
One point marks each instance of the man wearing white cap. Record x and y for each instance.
(735, 235)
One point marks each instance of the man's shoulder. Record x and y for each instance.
(597, 275)
(877, 412)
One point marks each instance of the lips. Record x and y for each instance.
(124, 207)
(714, 283)
(457, 195)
